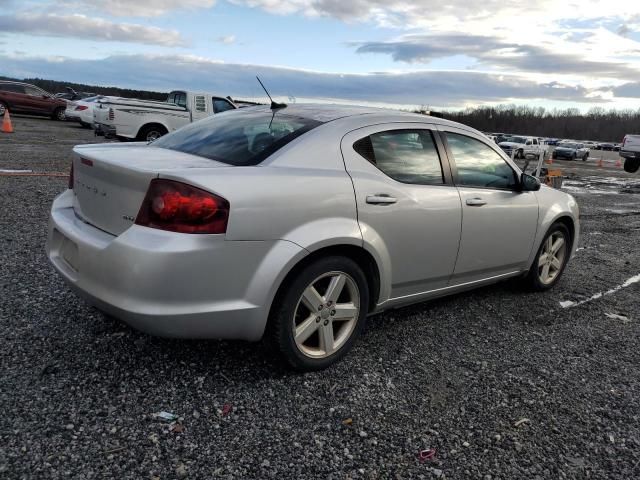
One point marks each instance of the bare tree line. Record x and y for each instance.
(597, 124)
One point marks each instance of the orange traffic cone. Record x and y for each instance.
(618, 163)
(550, 161)
(6, 122)
(600, 162)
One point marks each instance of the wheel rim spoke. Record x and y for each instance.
(335, 288)
(557, 245)
(542, 260)
(306, 329)
(326, 338)
(555, 263)
(545, 272)
(549, 244)
(345, 311)
(311, 298)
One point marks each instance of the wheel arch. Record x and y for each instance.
(358, 254)
(151, 124)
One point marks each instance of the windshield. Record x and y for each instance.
(238, 137)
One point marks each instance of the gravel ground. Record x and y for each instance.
(502, 384)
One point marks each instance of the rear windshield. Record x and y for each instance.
(238, 137)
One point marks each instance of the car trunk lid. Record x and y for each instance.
(110, 181)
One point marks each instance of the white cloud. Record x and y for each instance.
(227, 39)
(146, 8)
(81, 26)
(435, 88)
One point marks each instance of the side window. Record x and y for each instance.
(171, 98)
(528, 142)
(34, 92)
(181, 99)
(478, 164)
(221, 105)
(16, 88)
(535, 141)
(199, 103)
(408, 156)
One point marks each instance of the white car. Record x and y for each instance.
(298, 222)
(81, 111)
(630, 151)
(147, 120)
(521, 147)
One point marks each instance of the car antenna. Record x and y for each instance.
(274, 105)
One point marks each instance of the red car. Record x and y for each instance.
(24, 98)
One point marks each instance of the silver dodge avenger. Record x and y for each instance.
(299, 222)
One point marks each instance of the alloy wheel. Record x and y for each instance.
(326, 314)
(60, 114)
(552, 257)
(153, 135)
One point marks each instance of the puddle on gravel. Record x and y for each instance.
(601, 185)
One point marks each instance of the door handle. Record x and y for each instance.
(476, 202)
(381, 199)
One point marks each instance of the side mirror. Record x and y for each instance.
(529, 183)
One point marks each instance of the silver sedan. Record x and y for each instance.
(298, 223)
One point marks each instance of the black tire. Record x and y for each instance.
(520, 154)
(149, 133)
(85, 125)
(58, 114)
(284, 308)
(573, 157)
(532, 280)
(632, 165)
(584, 158)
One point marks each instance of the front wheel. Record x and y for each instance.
(584, 158)
(551, 259)
(319, 314)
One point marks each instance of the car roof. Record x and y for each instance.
(330, 112)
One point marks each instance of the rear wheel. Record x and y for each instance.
(319, 314)
(149, 133)
(520, 154)
(632, 165)
(58, 114)
(551, 259)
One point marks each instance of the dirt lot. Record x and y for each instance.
(502, 384)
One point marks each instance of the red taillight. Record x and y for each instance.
(112, 114)
(178, 207)
(81, 107)
(71, 176)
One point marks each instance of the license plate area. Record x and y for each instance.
(69, 253)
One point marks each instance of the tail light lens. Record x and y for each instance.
(112, 114)
(81, 107)
(71, 177)
(178, 207)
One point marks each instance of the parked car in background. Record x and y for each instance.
(630, 151)
(606, 146)
(299, 222)
(520, 147)
(147, 120)
(81, 111)
(28, 99)
(71, 94)
(571, 151)
(553, 141)
(617, 147)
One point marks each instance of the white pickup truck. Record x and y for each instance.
(146, 120)
(630, 151)
(521, 147)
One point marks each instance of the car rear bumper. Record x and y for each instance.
(169, 284)
(628, 154)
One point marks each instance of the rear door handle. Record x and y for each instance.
(476, 202)
(381, 199)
